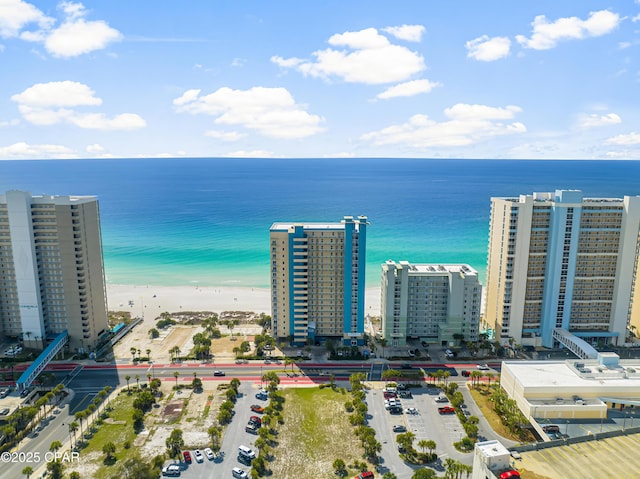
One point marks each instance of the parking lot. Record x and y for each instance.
(234, 437)
(426, 424)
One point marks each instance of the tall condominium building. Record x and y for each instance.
(431, 302)
(317, 280)
(561, 261)
(51, 269)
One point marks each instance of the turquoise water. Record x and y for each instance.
(206, 221)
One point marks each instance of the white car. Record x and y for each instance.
(483, 367)
(238, 473)
(171, 470)
(209, 453)
(198, 455)
(411, 410)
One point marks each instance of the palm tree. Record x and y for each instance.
(133, 353)
(109, 449)
(27, 471)
(127, 377)
(55, 445)
(148, 354)
(137, 381)
(80, 416)
(175, 375)
(423, 444)
(73, 427)
(489, 377)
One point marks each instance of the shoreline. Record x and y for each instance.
(151, 300)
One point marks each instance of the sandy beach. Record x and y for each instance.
(149, 301)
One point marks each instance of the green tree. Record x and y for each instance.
(127, 377)
(27, 471)
(55, 469)
(74, 475)
(154, 333)
(175, 375)
(55, 445)
(424, 473)
(175, 442)
(340, 467)
(214, 434)
(109, 450)
(389, 475)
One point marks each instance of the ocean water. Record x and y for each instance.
(206, 221)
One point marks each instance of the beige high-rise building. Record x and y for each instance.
(318, 280)
(559, 261)
(51, 270)
(435, 303)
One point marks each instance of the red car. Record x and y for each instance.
(258, 409)
(256, 419)
(446, 410)
(187, 456)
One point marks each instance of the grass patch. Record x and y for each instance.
(316, 432)
(122, 407)
(482, 397)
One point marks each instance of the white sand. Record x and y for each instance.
(150, 301)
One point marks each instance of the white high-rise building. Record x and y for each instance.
(559, 261)
(51, 270)
(431, 302)
(318, 280)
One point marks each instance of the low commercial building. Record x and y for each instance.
(491, 460)
(572, 389)
(434, 303)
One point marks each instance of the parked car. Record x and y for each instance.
(442, 399)
(251, 428)
(238, 473)
(209, 453)
(187, 457)
(411, 410)
(172, 470)
(257, 408)
(262, 396)
(446, 410)
(399, 428)
(256, 420)
(198, 455)
(465, 373)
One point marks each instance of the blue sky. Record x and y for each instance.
(456, 79)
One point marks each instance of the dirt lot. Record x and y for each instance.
(181, 335)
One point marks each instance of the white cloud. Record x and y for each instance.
(593, 120)
(74, 36)
(467, 125)
(410, 33)
(341, 154)
(95, 148)
(628, 139)
(52, 103)
(410, 88)
(6, 123)
(62, 93)
(23, 150)
(225, 135)
(79, 36)
(547, 34)
(250, 154)
(271, 112)
(238, 62)
(488, 49)
(463, 111)
(368, 57)
(16, 14)
(286, 62)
